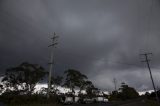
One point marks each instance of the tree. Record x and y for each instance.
(55, 82)
(74, 79)
(23, 77)
(90, 89)
(1, 88)
(114, 96)
(127, 92)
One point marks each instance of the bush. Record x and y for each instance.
(28, 99)
(125, 93)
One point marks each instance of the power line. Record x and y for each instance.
(148, 65)
(96, 58)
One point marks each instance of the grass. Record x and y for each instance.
(126, 102)
(152, 103)
(136, 102)
(30, 100)
(35, 104)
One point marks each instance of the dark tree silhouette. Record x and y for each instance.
(23, 77)
(74, 79)
(127, 92)
(55, 82)
(90, 89)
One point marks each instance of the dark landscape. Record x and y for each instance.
(79, 53)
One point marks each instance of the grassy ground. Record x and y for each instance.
(29, 100)
(140, 103)
(135, 104)
(36, 105)
(152, 103)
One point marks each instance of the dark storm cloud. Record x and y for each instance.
(102, 39)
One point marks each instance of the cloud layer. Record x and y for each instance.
(102, 39)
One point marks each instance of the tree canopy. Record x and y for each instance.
(125, 92)
(74, 79)
(23, 77)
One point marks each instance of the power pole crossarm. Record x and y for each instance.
(53, 44)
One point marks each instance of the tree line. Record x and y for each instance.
(22, 79)
(18, 86)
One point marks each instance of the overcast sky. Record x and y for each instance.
(100, 38)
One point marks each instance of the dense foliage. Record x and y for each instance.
(23, 77)
(125, 92)
(19, 82)
(18, 85)
(74, 79)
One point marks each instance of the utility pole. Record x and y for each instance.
(115, 83)
(54, 43)
(147, 62)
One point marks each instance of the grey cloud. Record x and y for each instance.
(102, 39)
